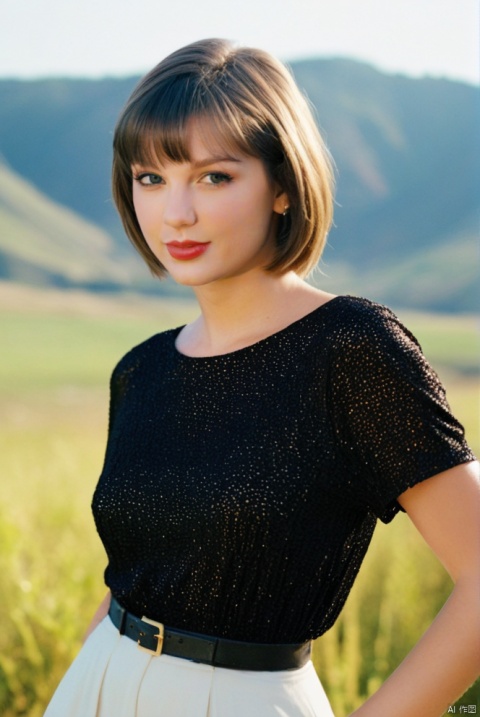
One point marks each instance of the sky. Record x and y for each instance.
(94, 38)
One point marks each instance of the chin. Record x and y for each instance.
(191, 279)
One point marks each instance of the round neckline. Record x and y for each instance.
(255, 344)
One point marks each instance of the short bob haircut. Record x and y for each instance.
(245, 100)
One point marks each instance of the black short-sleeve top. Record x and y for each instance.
(240, 492)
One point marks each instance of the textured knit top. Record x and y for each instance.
(240, 492)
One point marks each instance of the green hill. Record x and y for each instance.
(407, 156)
(42, 242)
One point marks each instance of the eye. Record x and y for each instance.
(147, 179)
(217, 178)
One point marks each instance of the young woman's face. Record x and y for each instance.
(209, 219)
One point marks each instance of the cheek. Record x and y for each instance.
(252, 207)
(145, 214)
(257, 201)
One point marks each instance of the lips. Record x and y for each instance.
(186, 250)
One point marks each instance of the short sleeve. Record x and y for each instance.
(390, 410)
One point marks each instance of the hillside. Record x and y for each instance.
(407, 169)
(42, 242)
(407, 157)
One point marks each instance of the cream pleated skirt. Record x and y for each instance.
(111, 677)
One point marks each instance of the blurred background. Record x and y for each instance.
(395, 90)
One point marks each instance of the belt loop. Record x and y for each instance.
(123, 621)
(121, 615)
(215, 645)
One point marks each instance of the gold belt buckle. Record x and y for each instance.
(159, 637)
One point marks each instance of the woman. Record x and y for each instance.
(251, 452)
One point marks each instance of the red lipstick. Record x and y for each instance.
(186, 250)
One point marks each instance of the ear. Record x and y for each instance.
(281, 202)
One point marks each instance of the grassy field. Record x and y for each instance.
(57, 354)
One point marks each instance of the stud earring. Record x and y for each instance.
(285, 211)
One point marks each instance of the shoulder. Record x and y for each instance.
(141, 355)
(369, 346)
(344, 330)
(356, 322)
(355, 313)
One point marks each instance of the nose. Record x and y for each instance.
(178, 209)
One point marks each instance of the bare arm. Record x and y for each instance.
(446, 660)
(101, 612)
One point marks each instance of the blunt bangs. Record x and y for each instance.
(156, 129)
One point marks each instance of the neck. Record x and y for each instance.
(242, 310)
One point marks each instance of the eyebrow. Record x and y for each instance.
(213, 160)
(207, 161)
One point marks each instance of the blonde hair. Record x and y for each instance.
(252, 104)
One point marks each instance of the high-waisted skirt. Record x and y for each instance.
(111, 677)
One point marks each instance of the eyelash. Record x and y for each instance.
(140, 177)
(224, 178)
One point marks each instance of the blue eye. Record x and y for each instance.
(218, 178)
(148, 179)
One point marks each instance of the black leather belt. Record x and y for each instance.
(155, 638)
